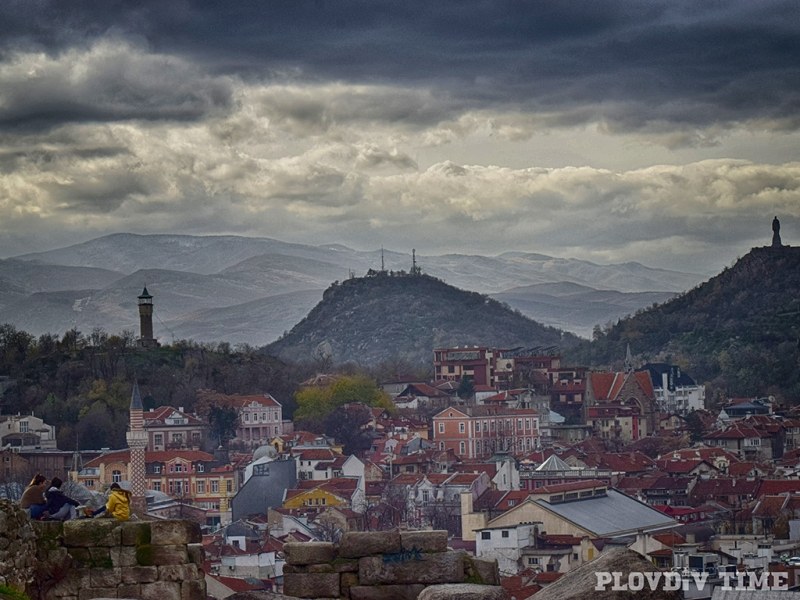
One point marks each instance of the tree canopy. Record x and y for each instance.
(315, 403)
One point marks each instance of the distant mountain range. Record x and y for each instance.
(252, 290)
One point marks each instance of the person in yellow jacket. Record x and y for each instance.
(117, 506)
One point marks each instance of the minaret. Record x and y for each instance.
(137, 442)
(146, 339)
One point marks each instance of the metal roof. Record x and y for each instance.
(611, 515)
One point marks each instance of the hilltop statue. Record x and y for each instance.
(776, 233)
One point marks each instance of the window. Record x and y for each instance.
(201, 468)
(116, 476)
(214, 486)
(486, 535)
(461, 427)
(519, 423)
(462, 448)
(574, 556)
(157, 469)
(158, 439)
(533, 560)
(504, 533)
(177, 438)
(441, 427)
(23, 427)
(156, 486)
(201, 487)
(425, 496)
(275, 415)
(229, 486)
(262, 469)
(247, 417)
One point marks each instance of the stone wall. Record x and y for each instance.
(387, 565)
(101, 558)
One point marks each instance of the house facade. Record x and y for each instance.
(26, 432)
(260, 419)
(675, 391)
(170, 428)
(480, 431)
(630, 389)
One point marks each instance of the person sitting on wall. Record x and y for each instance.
(117, 506)
(60, 507)
(33, 500)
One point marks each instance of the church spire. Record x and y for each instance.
(628, 360)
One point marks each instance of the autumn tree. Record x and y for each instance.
(315, 403)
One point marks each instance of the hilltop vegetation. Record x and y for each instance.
(82, 384)
(385, 317)
(738, 332)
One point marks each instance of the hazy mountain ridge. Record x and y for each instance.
(369, 320)
(575, 307)
(197, 278)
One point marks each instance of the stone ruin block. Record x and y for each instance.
(174, 533)
(424, 541)
(92, 533)
(386, 592)
(309, 553)
(356, 544)
(312, 585)
(406, 568)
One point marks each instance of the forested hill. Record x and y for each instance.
(386, 317)
(738, 331)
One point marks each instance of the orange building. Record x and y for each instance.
(190, 476)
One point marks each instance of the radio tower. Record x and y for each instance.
(415, 270)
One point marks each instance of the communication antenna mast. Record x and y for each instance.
(383, 266)
(415, 270)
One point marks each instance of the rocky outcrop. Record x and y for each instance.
(386, 565)
(93, 558)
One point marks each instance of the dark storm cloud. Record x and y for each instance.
(639, 66)
(111, 81)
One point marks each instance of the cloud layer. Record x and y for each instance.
(659, 132)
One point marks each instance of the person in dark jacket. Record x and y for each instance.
(59, 506)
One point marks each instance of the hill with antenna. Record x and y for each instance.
(404, 316)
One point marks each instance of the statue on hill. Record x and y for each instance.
(776, 233)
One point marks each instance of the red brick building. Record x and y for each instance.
(480, 431)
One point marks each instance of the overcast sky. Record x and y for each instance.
(661, 132)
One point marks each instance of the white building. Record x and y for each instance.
(26, 432)
(676, 392)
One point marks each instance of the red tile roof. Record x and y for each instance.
(771, 487)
